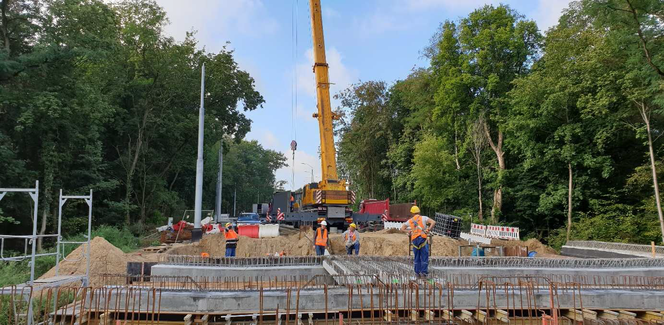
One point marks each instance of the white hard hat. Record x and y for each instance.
(323, 223)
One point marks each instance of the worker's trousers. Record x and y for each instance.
(355, 247)
(230, 252)
(421, 256)
(320, 250)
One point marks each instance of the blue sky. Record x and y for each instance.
(365, 40)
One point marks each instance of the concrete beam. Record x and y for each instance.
(235, 302)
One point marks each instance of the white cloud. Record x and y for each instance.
(379, 22)
(216, 21)
(547, 13)
(269, 140)
(341, 76)
(302, 170)
(330, 13)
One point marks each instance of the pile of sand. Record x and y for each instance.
(104, 258)
(533, 245)
(381, 243)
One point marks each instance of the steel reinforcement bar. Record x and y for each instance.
(519, 300)
(268, 261)
(384, 261)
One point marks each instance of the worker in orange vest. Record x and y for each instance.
(352, 240)
(320, 240)
(419, 227)
(231, 240)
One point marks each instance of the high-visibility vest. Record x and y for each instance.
(321, 237)
(416, 227)
(230, 234)
(354, 236)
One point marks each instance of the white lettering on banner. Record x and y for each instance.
(478, 230)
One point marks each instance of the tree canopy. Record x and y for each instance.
(559, 132)
(95, 95)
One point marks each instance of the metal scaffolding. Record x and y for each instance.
(31, 240)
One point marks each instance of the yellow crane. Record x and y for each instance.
(330, 194)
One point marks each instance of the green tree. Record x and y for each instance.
(475, 63)
(366, 131)
(633, 32)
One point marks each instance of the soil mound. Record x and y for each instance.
(381, 243)
(533, 245)
(104, 258)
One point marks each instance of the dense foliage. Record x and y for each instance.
(541, 131)
(94, 96)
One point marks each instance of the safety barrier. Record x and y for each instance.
(392, 225)
(265, 231)
(475, 238)
(251, 231)
(478, 230)
(501, 232)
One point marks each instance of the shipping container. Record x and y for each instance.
(399, 212)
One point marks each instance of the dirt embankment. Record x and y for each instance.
(104, 259)
(381, 243)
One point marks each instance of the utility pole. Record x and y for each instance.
(219, 179)
(235, 203)
(197, 233)
(312, 171)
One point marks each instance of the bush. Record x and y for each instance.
(613, 223)
(120, 238)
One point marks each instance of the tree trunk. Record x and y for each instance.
(5, 31)
(132, 168)
(48, 184)
(456, 150)
(645, 114)
(480, 213)
(497, 147)
(569, 201)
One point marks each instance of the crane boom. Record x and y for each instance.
(325, 114)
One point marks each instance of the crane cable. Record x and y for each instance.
(294, 16)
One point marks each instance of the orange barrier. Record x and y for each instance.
(248, 230)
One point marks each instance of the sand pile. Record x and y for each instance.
(533, 245)
(381, 243)
(104, 258)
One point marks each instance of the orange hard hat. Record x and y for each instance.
(204, 254)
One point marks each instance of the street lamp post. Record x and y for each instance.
(312, 171)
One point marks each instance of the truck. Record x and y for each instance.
(296, 213)
(399, 212)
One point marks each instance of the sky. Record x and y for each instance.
(365, 40)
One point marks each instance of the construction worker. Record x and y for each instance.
(320, 240)
(419, 227)
(352, 240)
(231, 240)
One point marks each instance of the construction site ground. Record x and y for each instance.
(378, 286)
(108, 259)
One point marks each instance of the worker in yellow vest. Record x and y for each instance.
(352, 240)
(320, 240)
(419, 226)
